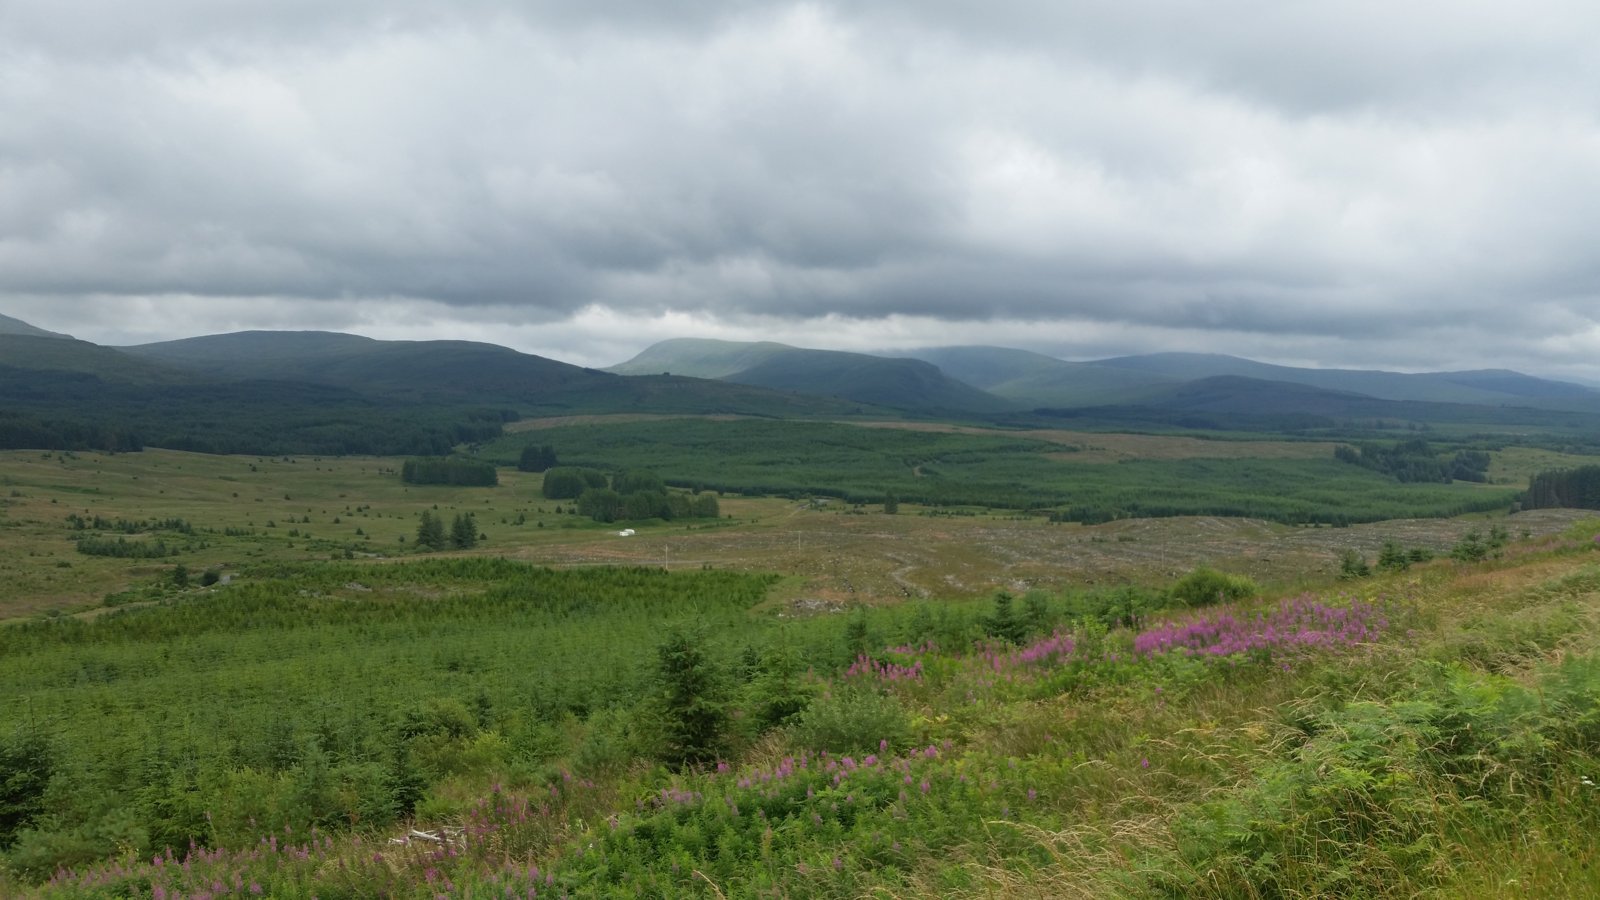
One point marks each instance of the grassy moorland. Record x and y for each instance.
(1430, 730)
(247, 512)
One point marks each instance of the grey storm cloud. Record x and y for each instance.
(1290, 172)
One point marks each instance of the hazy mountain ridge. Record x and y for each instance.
(903, 383)
(1239, 404)
(1488, 387)
(319, 392)
(1034, 379)
(700, 357)
(9, 325)
(753, 378)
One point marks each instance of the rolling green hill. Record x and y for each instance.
(61, 354)
(463, 371)
(310, 392)
(486, 372)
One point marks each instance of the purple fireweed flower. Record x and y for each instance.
(1297, 625)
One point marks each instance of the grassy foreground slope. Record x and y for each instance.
(1434, 731)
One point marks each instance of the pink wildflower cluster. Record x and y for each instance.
(1303, 623)
(201, 873)
(1046, 651)
(883, 670)
(902, 663)
(837, 769)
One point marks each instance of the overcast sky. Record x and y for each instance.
(1391, 184)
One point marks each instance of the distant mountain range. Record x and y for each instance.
(1037, 380)
(318, 392)
(263, 391)
(1024, 380)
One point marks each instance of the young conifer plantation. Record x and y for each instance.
(477, 727)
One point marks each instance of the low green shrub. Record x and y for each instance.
(853, 720)
(1205, 586)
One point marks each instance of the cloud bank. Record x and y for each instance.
(1405, 185)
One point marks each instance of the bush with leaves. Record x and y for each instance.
(1205, 586)
(569, 482)
(852, 720)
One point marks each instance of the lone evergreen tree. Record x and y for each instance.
(857, 638)
(1353, 565)
(1393, 558)
(692, 701)
(779, 689)
(464, 532)
(1004, 623)
(1036, 612)
(430, 532)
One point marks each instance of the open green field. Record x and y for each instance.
(251, 511)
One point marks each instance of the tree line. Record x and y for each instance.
(628, 496)
(1570, 488)
(452, 470)
(19, 431)
(77, 411)
(1415, 461)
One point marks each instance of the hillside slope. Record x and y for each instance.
(8, 325)
(62, 354)
(700, 357)
(390, 368)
